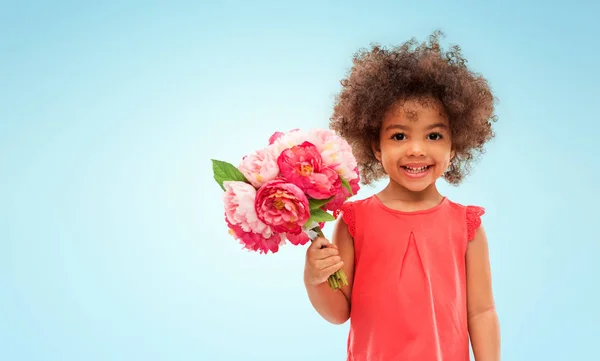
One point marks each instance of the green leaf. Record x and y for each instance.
(223, 171)
(318, 203)
(319, 215)
(347, 185)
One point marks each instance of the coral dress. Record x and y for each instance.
(409, 292)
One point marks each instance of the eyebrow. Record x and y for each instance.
(429, 127)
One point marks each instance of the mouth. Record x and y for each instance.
(416, 171)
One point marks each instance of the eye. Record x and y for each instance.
(434, 136)
(398, 136)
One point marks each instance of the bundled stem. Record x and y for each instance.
(338, 279)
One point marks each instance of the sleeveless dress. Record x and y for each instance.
(409, 294)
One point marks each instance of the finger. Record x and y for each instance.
(329, 245)
(325, 253)
(319, 242)
(331, 269)
(327, 262)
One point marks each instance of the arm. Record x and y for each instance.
(484, 328)
(333, 306)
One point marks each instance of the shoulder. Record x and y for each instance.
(469, 210)
(471, 215)
(348, 212)
(351, 207)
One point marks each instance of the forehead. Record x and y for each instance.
(421, 111)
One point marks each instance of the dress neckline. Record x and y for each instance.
(421, 211)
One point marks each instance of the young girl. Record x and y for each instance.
(417, 263)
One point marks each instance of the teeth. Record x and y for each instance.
(416, 170)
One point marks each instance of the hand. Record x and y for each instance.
(322, 260)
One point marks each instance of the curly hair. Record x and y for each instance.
(380, 77)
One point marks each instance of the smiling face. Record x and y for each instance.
(415, 145)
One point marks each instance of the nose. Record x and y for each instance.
(416, 148)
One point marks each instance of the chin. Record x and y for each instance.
(416, 187)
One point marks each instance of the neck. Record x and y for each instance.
(396, 192)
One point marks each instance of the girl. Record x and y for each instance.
(417, 263)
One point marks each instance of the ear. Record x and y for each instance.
(376, 150)
(452, 154)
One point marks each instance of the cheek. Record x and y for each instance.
(390, 153)
(444, 155)
(446, 163)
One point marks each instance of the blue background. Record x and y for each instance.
(113, 243)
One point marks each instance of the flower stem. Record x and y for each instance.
(338, 279)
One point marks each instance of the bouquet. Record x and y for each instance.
(288, 190)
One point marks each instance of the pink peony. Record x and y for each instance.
(288, 140)
(302, 165)
(283, 206)
(342, 196)
(260, 166)
(255, 241)
(335, 152)
(274, 137)
(239, 198)
(302, 238)
(241, 218)
(298, 239)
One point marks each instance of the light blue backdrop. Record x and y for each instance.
(113, 243)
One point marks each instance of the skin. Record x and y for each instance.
(413, 133)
